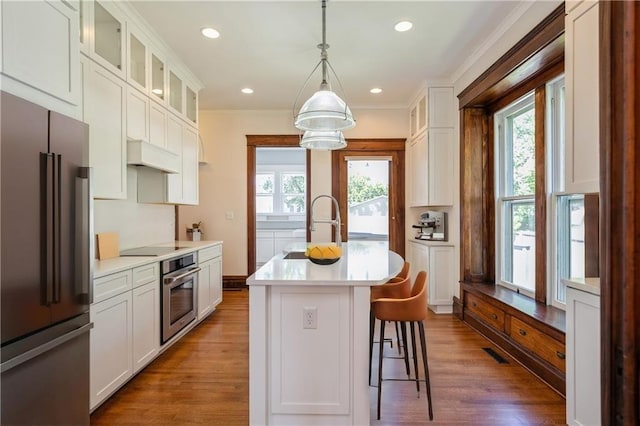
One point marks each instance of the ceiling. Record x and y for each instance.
(270, 46)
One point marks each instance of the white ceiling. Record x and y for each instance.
(270, 46)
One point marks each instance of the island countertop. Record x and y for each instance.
(363, 263)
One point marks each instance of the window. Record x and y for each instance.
(570, 242)
(280, 190)
(515, 209)
(568, 210)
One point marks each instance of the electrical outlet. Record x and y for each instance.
(310, 317)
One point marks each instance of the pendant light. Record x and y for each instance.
(323, 140)
(324, 114)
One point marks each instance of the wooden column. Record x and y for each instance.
(476, 196)
(620, 211)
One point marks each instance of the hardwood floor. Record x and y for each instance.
(203, 379)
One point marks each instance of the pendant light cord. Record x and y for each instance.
(323, 53)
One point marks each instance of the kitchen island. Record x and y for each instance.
(308, 336)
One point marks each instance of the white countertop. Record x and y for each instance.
(363, 263)
(590, 285)
(117, 264)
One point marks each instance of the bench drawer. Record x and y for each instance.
(488, 313)
(547, 348)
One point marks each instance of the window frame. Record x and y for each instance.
(278, 196)
(503, 168)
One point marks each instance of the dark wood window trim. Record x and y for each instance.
(536, 59)
(620, 211)
(275, 141)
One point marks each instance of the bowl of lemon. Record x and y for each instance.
(323, 254)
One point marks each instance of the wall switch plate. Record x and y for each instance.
(229, 215)
(310, 317)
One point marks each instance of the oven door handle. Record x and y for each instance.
(171, 280)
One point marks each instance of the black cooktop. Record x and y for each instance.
(149, 251)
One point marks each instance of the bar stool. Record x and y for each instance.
(413, 310)
(387, 290)
(397, 287)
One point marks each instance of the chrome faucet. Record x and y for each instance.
(335, 222)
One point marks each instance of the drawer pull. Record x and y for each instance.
(522, 332)
(473, 304)
(494, 316)
(560, 355)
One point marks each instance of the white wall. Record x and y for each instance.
(136, 224)
(223, 181)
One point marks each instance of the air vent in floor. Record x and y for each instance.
(495, 356)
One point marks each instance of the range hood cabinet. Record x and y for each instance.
(141, 153)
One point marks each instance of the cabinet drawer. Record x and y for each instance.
(209, 253)
(111, 285)
(146, 274)
(547, 348)
(488, 313)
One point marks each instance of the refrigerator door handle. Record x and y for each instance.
(84, 233)
(47, 264)
(57, 230)
(51, 344)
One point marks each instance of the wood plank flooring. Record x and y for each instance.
(203, 379)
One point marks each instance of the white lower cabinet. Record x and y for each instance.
(271, 242)
(209, 281)
(438, 262)
(583, 358)
(146, 324)
(111, 345)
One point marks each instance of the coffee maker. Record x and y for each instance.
(432, 226)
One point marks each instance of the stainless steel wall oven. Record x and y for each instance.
(179, 290)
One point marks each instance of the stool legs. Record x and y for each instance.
(372, 324)
(426, 367)
(415, 357)
(380, 357)
(403, 327)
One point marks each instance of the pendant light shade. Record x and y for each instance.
(327, 140)
(324, 111)
(324, 115)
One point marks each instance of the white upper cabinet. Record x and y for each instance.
(431, 149)
(138, 59)
(189, 166)
(108, 41)
(104, 111)
(441, 109)
(158, 77)
(40, 53)
(176, 92)
(582, 117)
(191, 104)
(137, 115)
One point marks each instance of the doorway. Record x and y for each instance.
(278, 184)
(368, 178)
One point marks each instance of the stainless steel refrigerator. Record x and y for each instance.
(45, 266)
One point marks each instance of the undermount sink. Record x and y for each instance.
(297, 255)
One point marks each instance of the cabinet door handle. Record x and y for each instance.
(522, 332)
(561, 355)
(494, 316)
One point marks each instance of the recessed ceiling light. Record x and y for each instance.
(376, 90)
(247, 91)
(210, 32)
(403, 26)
